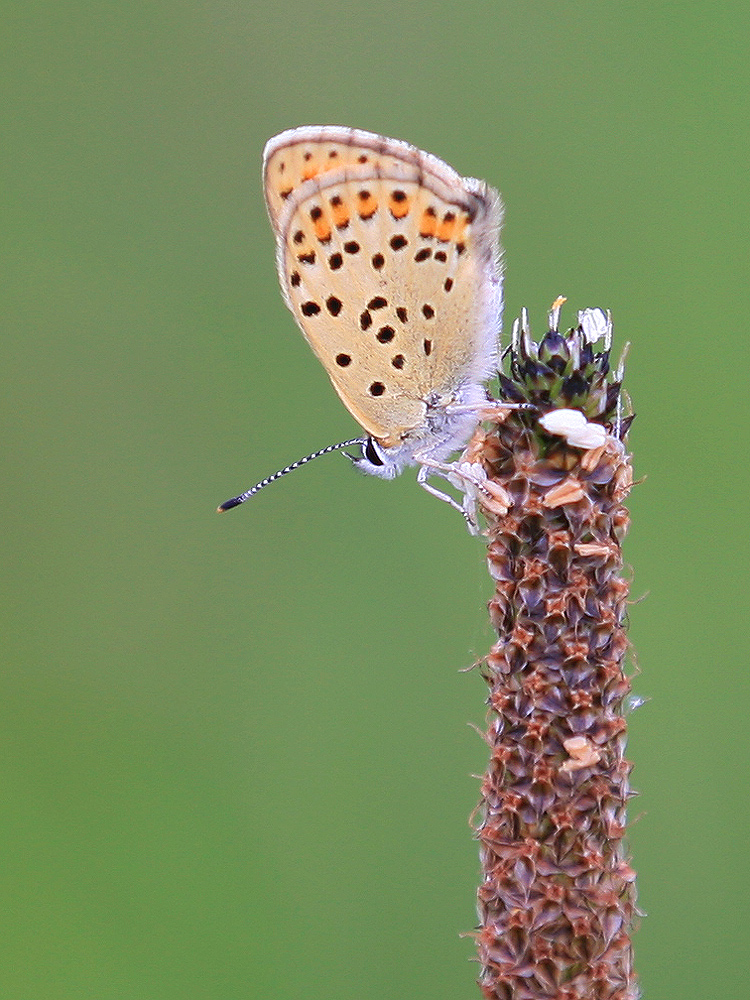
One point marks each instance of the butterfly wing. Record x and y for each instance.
(388, 260)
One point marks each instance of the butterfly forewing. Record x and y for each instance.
(388, 261)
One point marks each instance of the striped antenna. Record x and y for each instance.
(236, 501)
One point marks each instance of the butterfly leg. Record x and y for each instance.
(424, 472)
(465, 476)
(489, 410)
(471, 479)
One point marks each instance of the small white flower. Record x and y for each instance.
(582, 752)
(575, 428)
(595, 324)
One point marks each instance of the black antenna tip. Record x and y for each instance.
(228, 504)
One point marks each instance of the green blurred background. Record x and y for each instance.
(236, 760)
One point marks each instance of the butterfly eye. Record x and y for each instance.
(371, 453)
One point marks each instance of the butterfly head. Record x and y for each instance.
(378, 460)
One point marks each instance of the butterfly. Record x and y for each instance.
(389, 261)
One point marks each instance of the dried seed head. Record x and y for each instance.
(557, 897)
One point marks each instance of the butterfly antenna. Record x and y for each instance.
(236, 501)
